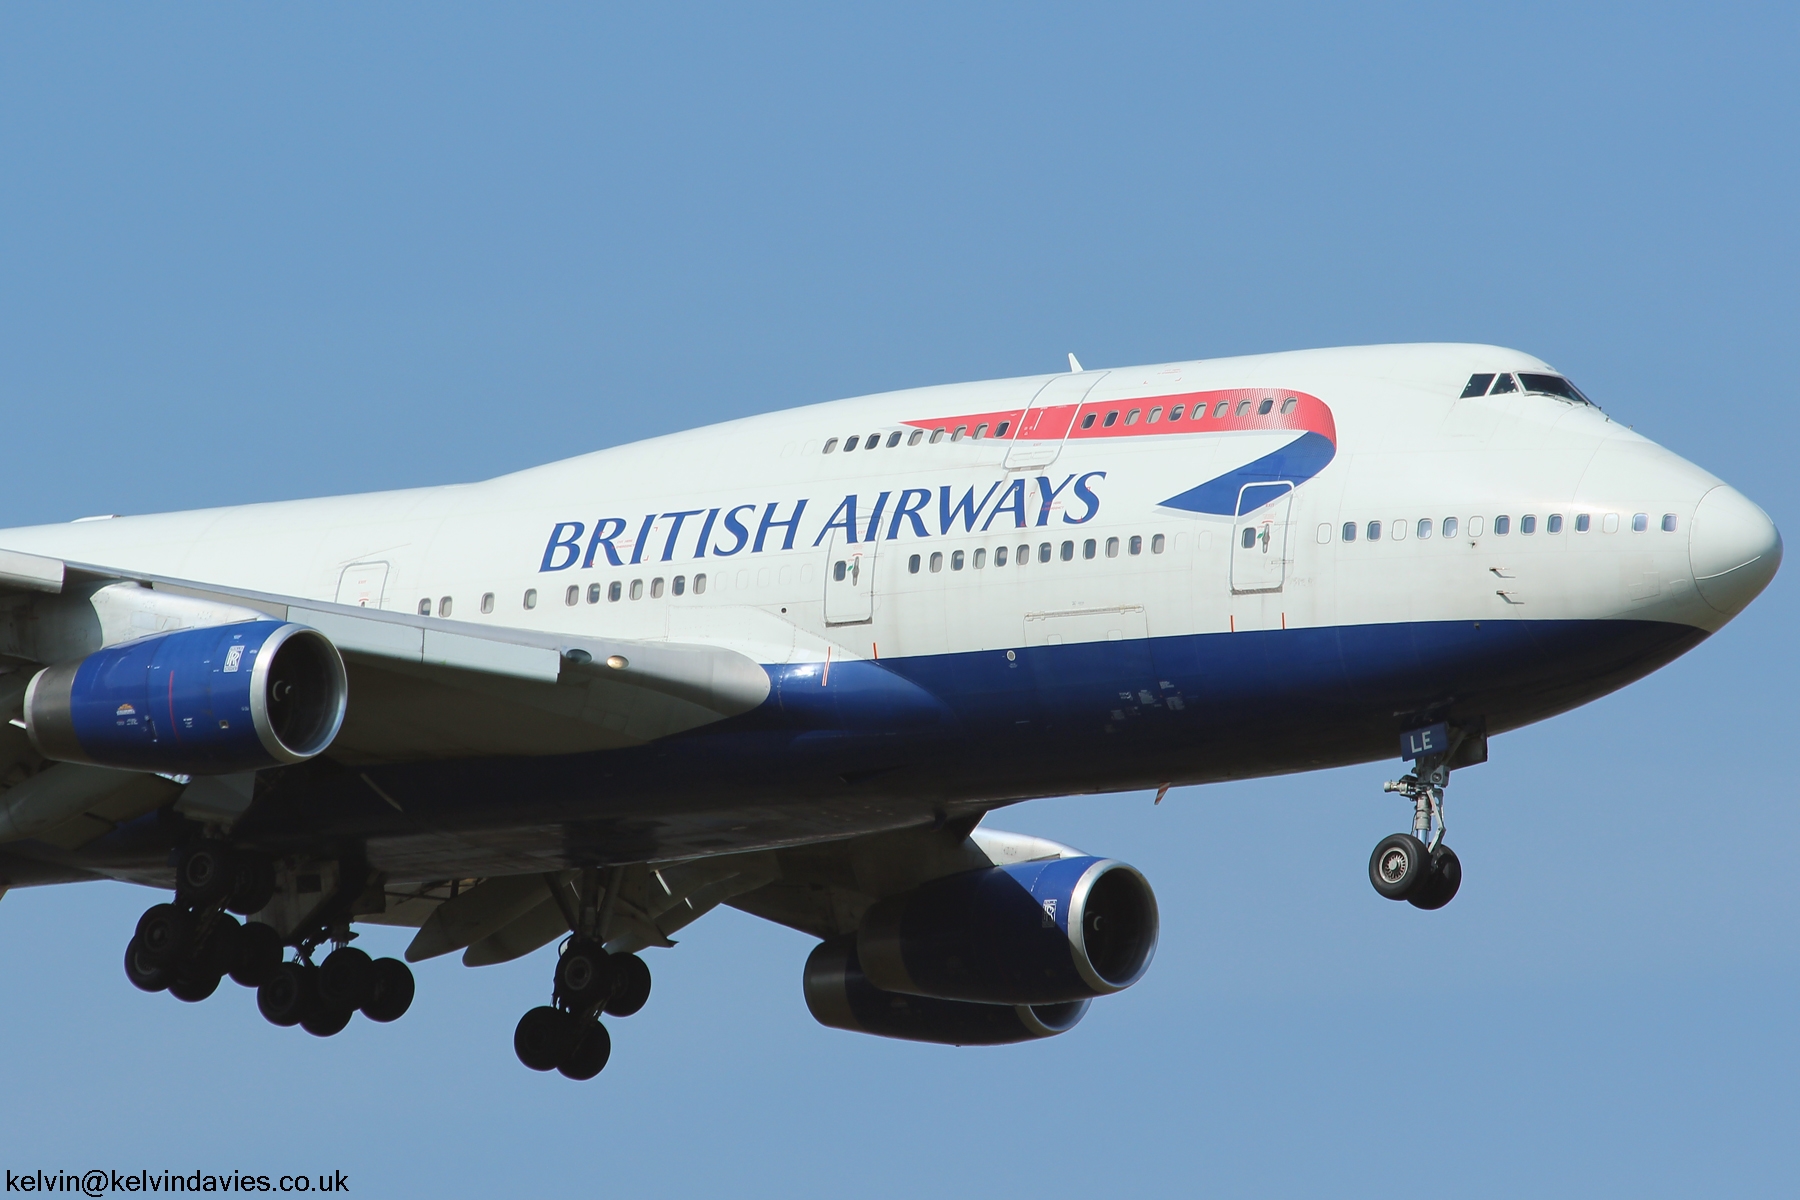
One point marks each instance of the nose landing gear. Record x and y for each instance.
(1418, 867)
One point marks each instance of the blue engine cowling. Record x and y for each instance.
(1034, 933)
(838, 994)
(195, 702)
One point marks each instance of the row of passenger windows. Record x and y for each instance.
(1223, 408)
(1503, 525)
(1046, 551)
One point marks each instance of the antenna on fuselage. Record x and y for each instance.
(1074, 363)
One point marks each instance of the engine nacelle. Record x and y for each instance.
(1034, 933)
(839, 995)
(196, 702)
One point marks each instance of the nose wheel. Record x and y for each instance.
(1418, 867)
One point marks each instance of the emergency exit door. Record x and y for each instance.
(1260, 541)
(849, 581)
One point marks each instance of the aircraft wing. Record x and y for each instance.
(420, 687)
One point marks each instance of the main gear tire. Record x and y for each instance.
(544, 1037)
(286, 996)
(259, 950)
(144, 976)
(205, 874)
(194, 984)
(587, 1056)
(632, 988)
(391, 989)
(165, 935)
(345, 978)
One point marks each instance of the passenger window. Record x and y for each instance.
(1135, 545)
(1609, 523)
(830, 445)
(425, 607)
(956, 560)
(1288, 405)
(1112, 418)
(912, 439)
(1503, 383)
(1221, 408)
(1349, 531)
(937, 435)
(593, 593)
(1374, 531)
(1668, 523)
(1266, 407)
(1155, 415)
(487, 602)
(981, 431)
(980, 559)
(1156, 544)
(1583, 522)
(1474, 527)
(838, 570)
(1323, 537)
(1424, 530)
(1502, 526)
(1068, 551)
(1174, 413)
(1397, 530)
(1527, 524)
(1243, 407)
(1000, 429)
(1249, 540)
(680, 584)
(1131, 418)
(1112, 547)
(912, 565)
(1478, 385)
(1449, 527)
(613, 592)
(530, 597)
(1043, 552)
(444, 607)
(893, 440)
(872, 441)
(937, 563)
(850, 443)
(1087, 548)
(1553, 523)
(572, 597)
(656, 588)
(1640, 522)
(700, 585)
(637, 589)
(999, 556)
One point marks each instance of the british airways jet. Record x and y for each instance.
(790, 663)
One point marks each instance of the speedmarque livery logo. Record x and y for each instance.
(726, 530)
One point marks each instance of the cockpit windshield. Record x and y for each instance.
(1553, 385)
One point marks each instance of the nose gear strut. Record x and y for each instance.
(1418, 867)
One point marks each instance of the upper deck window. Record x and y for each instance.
(1553, 385)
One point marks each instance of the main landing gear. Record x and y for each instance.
(1418, 867)
(189, 946)
(566, 1035)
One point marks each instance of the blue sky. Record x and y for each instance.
(255, 253)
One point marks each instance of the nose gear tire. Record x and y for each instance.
(1440, 881)
(1397, 865)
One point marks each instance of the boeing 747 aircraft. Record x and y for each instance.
(790, 663)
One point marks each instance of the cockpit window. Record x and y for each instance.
(1504, 384)
(1553, 385)
(1478, 385)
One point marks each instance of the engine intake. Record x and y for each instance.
(198, 702)
(1035, 933)
(839, 995)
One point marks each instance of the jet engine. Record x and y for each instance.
(841, 996)
(210, 701)
(1038, 933)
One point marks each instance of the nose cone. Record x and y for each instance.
(1733, 549)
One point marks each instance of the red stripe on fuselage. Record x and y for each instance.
(1308, 414)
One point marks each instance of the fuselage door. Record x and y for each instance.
(1259, 543)
(362, 584)
(849, 581)
(1048, 419)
